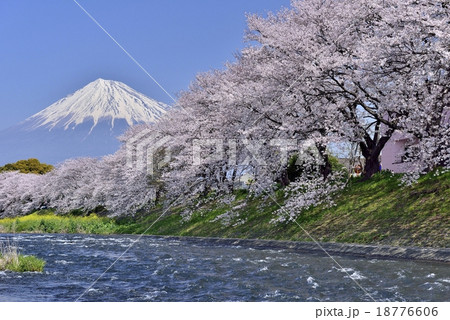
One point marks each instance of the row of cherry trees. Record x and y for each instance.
(320, 72)
(84, 183)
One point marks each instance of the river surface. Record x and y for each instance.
(156, 269)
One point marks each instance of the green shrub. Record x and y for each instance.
(28, 166)
(51, 223)
(11, 260)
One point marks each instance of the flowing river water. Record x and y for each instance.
(157, 269)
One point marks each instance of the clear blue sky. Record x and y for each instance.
(50, 48)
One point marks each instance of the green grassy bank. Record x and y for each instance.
(47, 222)
(377, 211)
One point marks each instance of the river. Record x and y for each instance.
(157, 269)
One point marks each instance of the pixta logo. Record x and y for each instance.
(147, 151)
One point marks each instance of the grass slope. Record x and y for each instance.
(372, 212)
(377, 211)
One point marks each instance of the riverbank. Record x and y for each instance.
(355, 250)
(375, 212)
(46, 221)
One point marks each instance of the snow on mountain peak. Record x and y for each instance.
(100, 100)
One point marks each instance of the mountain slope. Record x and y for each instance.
(85, 123)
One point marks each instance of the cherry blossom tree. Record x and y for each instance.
(121, 190)
(71, 184)
(20, 193)
(367, 63)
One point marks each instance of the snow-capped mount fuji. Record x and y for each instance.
(85, 123)
(99, 100)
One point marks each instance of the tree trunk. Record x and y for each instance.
(371, 151)
(372, 166)
(284, 179)
(233, 180)
(325, 167)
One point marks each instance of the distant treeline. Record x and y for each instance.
(28, 166)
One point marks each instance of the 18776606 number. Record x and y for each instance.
(407, 311)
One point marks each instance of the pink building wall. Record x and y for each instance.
(394, 148)
(392, 152)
